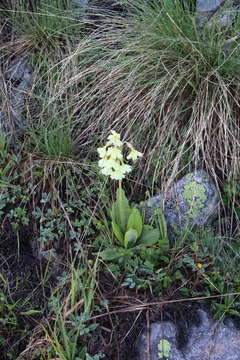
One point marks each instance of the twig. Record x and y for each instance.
(161, 303)
(131, 327)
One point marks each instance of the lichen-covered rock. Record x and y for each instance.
(192, 201)
(211, 340)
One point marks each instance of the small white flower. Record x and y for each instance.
(102, 151)
(115, 153)
(107, 163)
(117, 175)
(106, 171)
(124, 168)
(114, 139)
(134, 154)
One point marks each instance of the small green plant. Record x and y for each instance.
(7, 315)
(70, 323)
(18, 216)
(52, 142)
(130, 233)
(229, 305)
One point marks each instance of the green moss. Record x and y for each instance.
(194, 194)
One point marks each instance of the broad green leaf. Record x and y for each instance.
(130, 237)
(114, 213)
(135, 221)
(149, 237)
(117, 232)
(120, 210)
(123, 209)
(164, 348)
(110, 254)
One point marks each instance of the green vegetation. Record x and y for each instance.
(76, 257)
(43, 26)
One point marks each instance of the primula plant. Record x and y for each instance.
(127, 222)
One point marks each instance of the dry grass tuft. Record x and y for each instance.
(152, 77)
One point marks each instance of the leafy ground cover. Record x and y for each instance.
(69, 288)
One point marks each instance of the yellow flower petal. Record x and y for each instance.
(114, 139)
(102, 151)
(124, 168)
(117, 175)
(114, 153)
(106, 171)
(134, 155)
(107, 163)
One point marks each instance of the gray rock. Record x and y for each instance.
(208, 5)
(81, 2)
(211, 340)
(17, 79)
(192, 201)
(221, 11)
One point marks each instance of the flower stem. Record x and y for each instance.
(120, 184)
(121, 208)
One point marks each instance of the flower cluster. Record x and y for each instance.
(111, 158)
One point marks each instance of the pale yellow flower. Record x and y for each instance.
(199, 266)
(106, 171)
(114, 168)
(134, 154)
(117, 175)
(102, 151)
(115, 153)
(124, 168)
(114, 139)
(107, 163)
